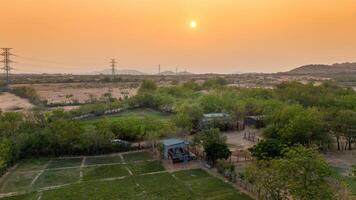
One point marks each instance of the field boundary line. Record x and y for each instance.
(3, 177)
(122, 157)
(86, 166)
(10, 194)
(130, 172)
(82, 169)
(36, 177)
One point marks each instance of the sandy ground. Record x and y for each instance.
(10, 102)
(236, 141)
(81, 92)
(343, 160)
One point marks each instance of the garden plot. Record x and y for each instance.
(97, 160)
(137, 156)
(137, 176)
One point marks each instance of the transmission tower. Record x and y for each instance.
(6, 54)
(113, 66)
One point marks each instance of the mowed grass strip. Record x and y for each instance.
(17, 182)
(106, 171)
(57, 177)
(31, 196)
(32, 164)
(64, 162)
(145, 167)
(102, 160)
(137, 156)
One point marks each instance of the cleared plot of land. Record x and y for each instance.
(137, 156)
(57, 177)
(81, 92)
(107, 171)
(10, 102)
(18, 182)
(65, 162)
(102, 160)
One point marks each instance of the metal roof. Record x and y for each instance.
(172, 141)
(215, 115)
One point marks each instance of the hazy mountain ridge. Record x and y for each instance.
(123, 72)
(337, 68)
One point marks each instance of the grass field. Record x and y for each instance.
(137, 176)
(138, 113)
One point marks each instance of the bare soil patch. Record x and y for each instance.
(11, 102)
(56, 93)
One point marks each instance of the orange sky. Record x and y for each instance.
(231, 36)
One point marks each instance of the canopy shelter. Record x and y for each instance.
(175, 149)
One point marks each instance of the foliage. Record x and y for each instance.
(28, 93)
(227, 169)
(213, 143)
(301, 172)
(267, 149)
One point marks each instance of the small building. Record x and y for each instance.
(175, 149)
(222, 121)
(254, 121)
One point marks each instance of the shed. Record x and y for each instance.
(171, 144)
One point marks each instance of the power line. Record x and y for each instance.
(113, 66)
(6, 54)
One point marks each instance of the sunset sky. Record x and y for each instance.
(230, 35)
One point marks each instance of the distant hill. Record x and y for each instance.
(123, 72)
(167, 73)
(171, 73)
(338, 68)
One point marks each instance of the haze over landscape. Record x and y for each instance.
(80, 36)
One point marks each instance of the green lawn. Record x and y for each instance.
(107, 171)
(18, 181)
(139, 113)
(65, 162)
(160, 186)
(137, 156)
(188, 184)
(102, 160)
(208, 187)
(145, 167)
(57, 177)
(32, 164)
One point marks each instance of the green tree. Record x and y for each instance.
(306, 173)
(267, 149)
(216, 150)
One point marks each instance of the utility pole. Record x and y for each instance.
(159, 69)
(6, 54)
(113, 66)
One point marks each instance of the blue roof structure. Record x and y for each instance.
(171, 141)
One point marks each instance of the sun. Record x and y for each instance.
(193, 24)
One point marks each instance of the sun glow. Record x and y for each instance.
(193, 24)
